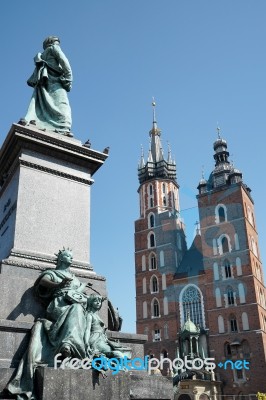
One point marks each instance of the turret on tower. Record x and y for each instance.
(224, 172)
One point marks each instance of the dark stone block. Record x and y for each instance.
(86, 385)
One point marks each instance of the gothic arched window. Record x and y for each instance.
(151, 221)
(225, 244)
(191, 302)
(152, 261)
(230, 296)
(227, 269)
(154, 285)
(151, 240)
(233, 323)
(155, 308)
(221, 214)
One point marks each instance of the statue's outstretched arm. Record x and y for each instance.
(49, 283)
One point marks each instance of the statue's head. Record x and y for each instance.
(95, 301)
(49, 41)
(64, 258)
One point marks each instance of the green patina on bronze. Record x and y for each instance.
(49, 107)
(72, 326)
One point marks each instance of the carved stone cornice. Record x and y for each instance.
(56, 172)
(35, 261)
(65, 142)
(38, 267)
(56, 145)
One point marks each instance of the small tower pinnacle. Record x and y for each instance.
(218, 131)
(169, 159)
(142, 161)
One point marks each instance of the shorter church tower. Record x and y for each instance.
(159, 247)
(235, 294)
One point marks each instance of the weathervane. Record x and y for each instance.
(218, 131)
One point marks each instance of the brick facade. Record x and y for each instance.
(222, 269)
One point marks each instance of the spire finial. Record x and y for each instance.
(155, 130)
(153, 106)
(202, 172)
(218, 131)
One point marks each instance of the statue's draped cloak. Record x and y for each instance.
(66, 324)
(51, 79)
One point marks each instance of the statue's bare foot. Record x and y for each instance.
(66, 351)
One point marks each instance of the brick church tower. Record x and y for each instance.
(235, 294)
(217, 284)
(159, 247)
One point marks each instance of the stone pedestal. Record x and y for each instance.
(89, 385)
(45, 181)
(73, 382)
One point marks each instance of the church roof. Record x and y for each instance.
(192, 261)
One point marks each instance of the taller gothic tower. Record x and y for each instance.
(159, 247)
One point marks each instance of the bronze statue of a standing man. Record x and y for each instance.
(49, 107)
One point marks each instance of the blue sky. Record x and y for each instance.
(203, 60)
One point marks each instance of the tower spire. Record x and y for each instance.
(218, 131)
(156, 165)
(155, 133)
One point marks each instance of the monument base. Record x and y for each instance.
(86, 385)
(90, 385)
